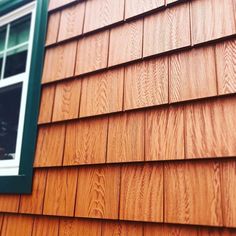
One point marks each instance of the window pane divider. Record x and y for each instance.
(12, 80)
(17, 46)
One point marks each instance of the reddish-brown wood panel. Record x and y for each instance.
(185, 230)
(60, 192)
(75, 227)
(53, 4)
(17, 225)
(122, 229)
(193, 74)
(86, 142)
(92, 53)
(136, 7)
(164, 134)
(33, 203)
(126, 43)
(142, 192)
(169, 230)
(146, 84)
(46, 226)
(216, 232)
(98, 192)
(102, 13)
(1, 220)
(9, 203)
(209, 128)
(126, 137)
(228, 173)
(234, 8)
(72, 19)
(50, 146)
(46, 104)
(192, 193)
(56, 63)
(167, 30)
(226, 66)
(102, 93)
(53, 27)
(67, 100)
(212, 19)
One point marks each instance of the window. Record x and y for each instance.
(22, 31)
(16, 36)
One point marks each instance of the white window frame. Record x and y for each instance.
(11, 167)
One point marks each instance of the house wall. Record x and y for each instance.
(137, 122)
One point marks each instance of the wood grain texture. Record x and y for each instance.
(136, 7)
(46, 104)
(169, 230)
(102, 13)
(86, 142)
(209, 127)
(185, 230)
(212, 19)
(122, 229)
(67, 100)
(72, 19)
(216, 232)
(142, 192)
(33, 203)
(102, 93)
(164, 134)
(53, 4)
(193, 75)
(50, 146)
(9, 203)
(92, 53)
(17, 225)
(126, 43)
(98, 192)
(1, 221)
(60, 192)
(53, 28)
(228, 173)
(126, 137)
(80, 227)
(56, 63)
(146, 84)
(226, 67)
(167, 30)
(196, 190)
(234, 8)
(45, 226)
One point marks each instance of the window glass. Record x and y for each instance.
(10, 99)
(3, 31)
(14, 43)
(15, 61)
(19, 31)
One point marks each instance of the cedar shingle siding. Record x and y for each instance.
(136, 136)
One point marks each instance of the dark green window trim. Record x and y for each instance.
(9, 5)
(23, 182)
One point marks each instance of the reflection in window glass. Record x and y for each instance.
(10, 98)
(19, 31)
(2, 38)
(15, 62)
